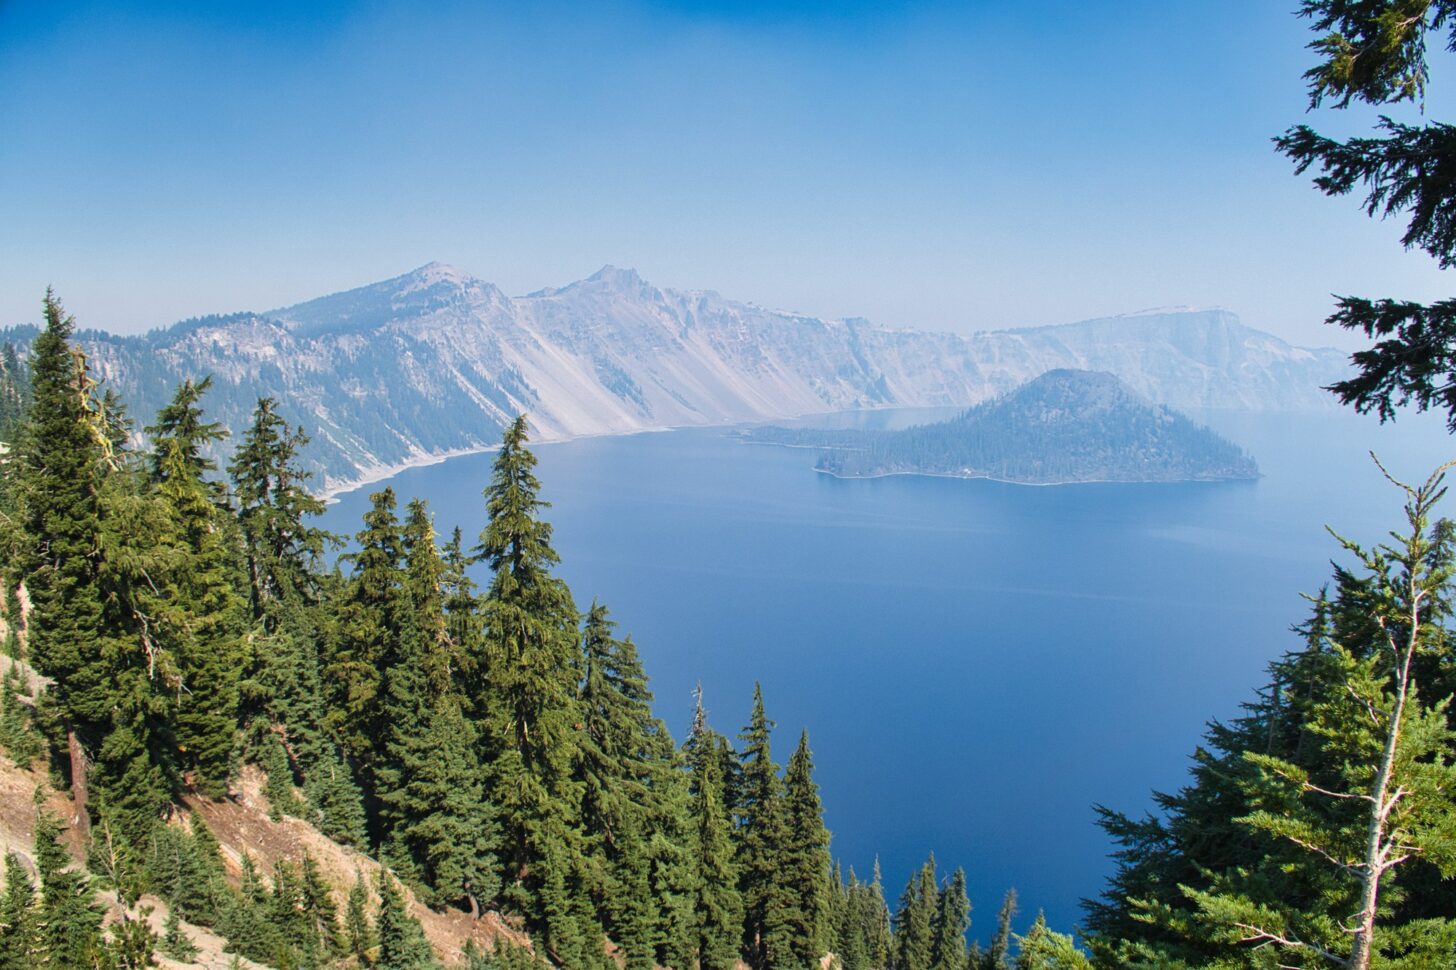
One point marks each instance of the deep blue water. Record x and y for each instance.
(977, 663)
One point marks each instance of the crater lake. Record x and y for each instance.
(977, 663)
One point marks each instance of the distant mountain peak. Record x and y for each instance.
(617, 278)
(432, 274)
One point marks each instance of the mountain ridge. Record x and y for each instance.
(433, 362)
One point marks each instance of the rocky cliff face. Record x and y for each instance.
(435, 361)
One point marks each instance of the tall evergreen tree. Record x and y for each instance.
(60, 466)
(69, 924)
(761, 836)
(205, 615)
(274, 507)
(948, 929)
(372, 616)
(998, 957)
(804, 860)
(440, 825)
(19, 918)
(915, 918)
(526, 681)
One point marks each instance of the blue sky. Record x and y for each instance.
(943, 165)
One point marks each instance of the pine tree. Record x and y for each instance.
(69, 923)
(998, 957)
(60, 476)
(206, 616)
(1043, 949)
(274, 506)
(948, 929)
(441, 827)
(402, 944)
(371, 622)
(761, 837)
(19, 918)
(526, 679)
(913, 921)
(804, 860)
(360, 939)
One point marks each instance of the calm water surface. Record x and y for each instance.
(976, 663)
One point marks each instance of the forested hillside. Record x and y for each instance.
(494, 747)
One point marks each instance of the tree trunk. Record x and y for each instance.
(1375, 849)
(80, 791)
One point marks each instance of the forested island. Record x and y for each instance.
(1063, 427)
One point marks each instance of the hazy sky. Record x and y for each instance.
(942, 165)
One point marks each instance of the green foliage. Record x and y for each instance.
(1044, 949)
(274, 506)
(360, 938)
(914, 920)
(526, 680)
(803, 861)
(1374, 51)
(20, 944)
(69, 924)
(948, 928)
(17, 731)
(402, 944)
(176, 944)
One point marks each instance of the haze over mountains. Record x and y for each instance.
(435, 361)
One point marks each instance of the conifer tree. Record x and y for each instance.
(69, 924)
(360, 938)
(876, 918)
(402, 944)
(526, 679)
(914, 920)
(717, 905)
(19, 918)
(441, 827)
(1043, 949)
(371, 626)
(804, 860)
(60, 476)
(205, 616)
(948, 930)
(274, 506)
(998, 957)
(761, 837)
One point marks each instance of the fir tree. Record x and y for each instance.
(274, 506)
(760, 828)
(526, 679)
(803, 860)
(875, 916)
(432, 801)
(1043, 949)
(359, 936)
(914, 920)
(371, 622)
(948, 929)
(402, 944)
(60, 476)
(205, 614)
(998, 957)
(718, 905)
(19, 918)
(69, 924)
